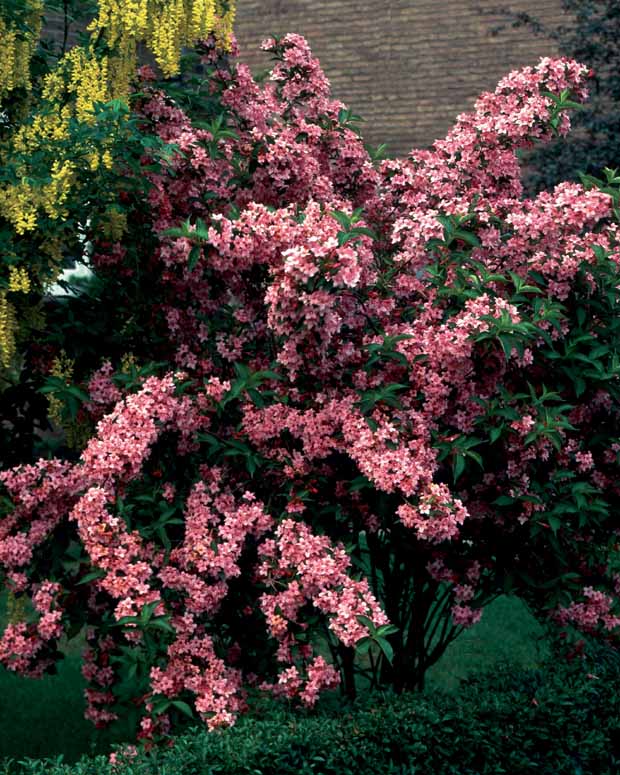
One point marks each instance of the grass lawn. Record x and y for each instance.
(507, 633)
(44, 717)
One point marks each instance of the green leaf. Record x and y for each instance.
(147, 611)
(387, 629)
(161, 623)
(367, 623)
(458, 466)
(161, 705)
(494, 434)
(363, 645)
(580, 386)
(96, 574)
(194, 257)
(386, 648)
(183, 707)
(343, 219)
(468, 237)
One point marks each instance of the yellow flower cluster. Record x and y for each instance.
(19, 281)
(77, 432)
(17, 49)
(88, 81)
(20, 202)
(129, 362)
(52, 248)
(54, 195)
(53, 125)
(62, 367)
(7, 331)
(17, 205)
(84, 77)
(164, 25)
(79, 75)
(16, 608)
(226, 20)
(114, 224)
(97, 159)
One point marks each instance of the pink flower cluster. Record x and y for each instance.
(320, 676)
(125, 435)
(193, 666)
(116, 551)
(437, 516)
(595, 611)
(318, 572)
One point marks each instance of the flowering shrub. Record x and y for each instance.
(328, 407)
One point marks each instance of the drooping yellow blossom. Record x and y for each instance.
(55, 194)
(202, 19)
(55, 83)
(53, 125)
(77, 432)
(33, 317)
(18, 46)
(97, 159)
(88, 81)
(20, 202)
(128, 363)
(165, 26)
(224, 29)
(7, 331)
(114, 224)
(8, 76)
(19, 281)
(52, 248)
(62, 367)
(16, 608)
(18, 206)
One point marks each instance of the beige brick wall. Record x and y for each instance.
(408, 67)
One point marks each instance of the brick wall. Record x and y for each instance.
(54, 25)
(408, 67)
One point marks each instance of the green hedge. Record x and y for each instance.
(563, 719)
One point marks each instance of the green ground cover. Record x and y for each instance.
(45, 717)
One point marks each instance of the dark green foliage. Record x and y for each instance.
(563, 720)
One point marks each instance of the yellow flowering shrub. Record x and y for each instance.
(64, 127)
(7, 331)
(164, 26)
(19, 281)
(62, 367)
(19, 42)
(114, 224)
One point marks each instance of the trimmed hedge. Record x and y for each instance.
(561, 720)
